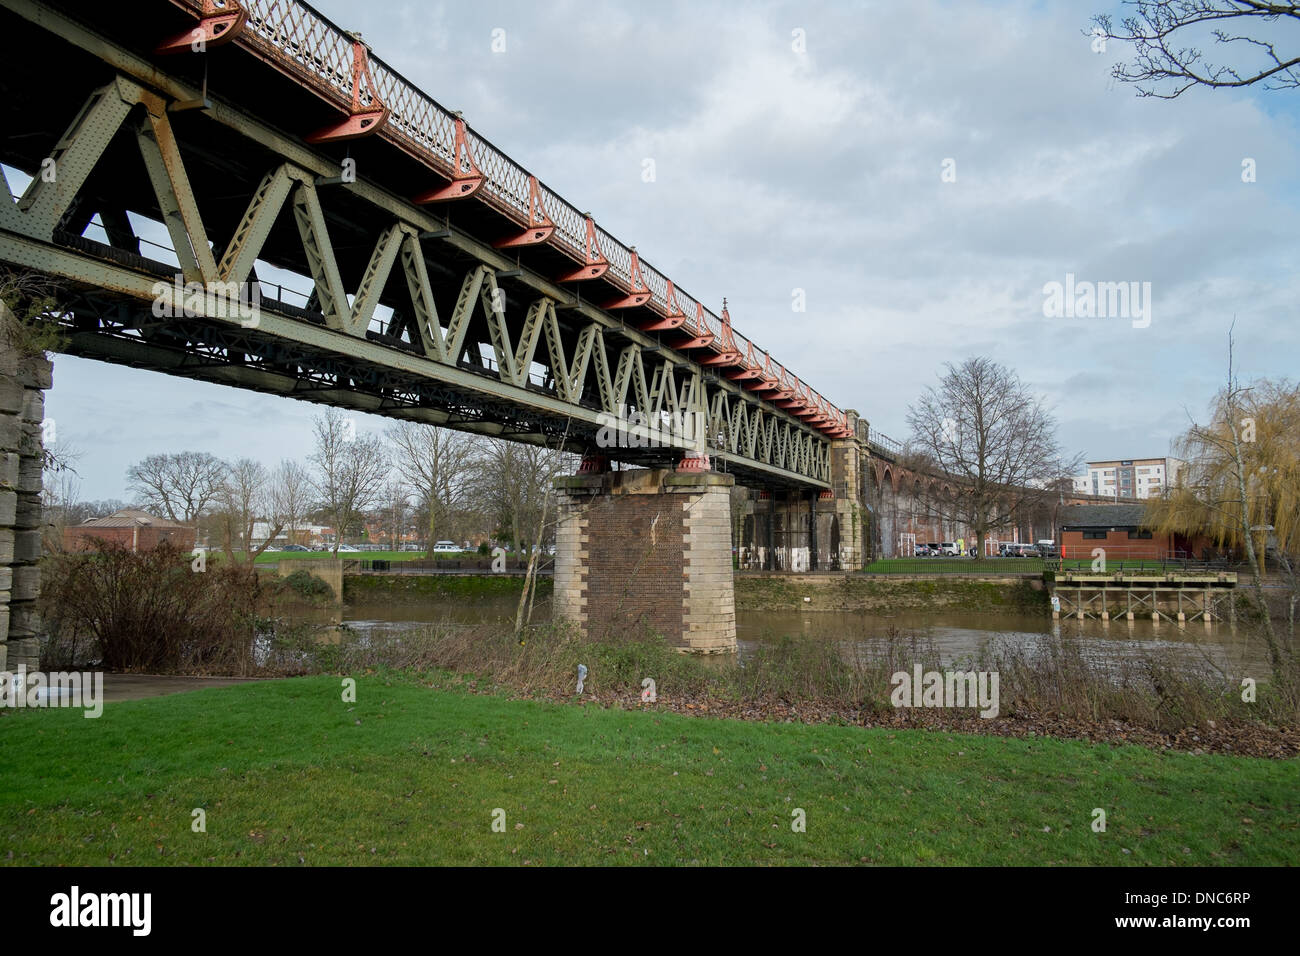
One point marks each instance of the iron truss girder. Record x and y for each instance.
(592, 366)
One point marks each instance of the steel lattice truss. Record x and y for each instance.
(558, 366)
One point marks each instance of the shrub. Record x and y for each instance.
(149, 611)
(308, 585)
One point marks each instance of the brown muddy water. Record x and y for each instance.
(957, 637)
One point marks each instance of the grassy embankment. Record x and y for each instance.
(289, 774)
(413, 588)
(850, 592)
(753, 592)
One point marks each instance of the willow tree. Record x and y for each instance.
(1241, 487)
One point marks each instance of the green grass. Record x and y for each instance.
(289, 774)
(420, 588)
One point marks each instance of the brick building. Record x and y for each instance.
(130, 528)
(1123, 531)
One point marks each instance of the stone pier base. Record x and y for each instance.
(647, 549)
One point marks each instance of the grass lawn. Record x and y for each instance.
(289, 774)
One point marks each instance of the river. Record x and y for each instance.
(956, 637)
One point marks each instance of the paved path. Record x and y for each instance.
(137, 686)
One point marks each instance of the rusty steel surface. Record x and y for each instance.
(310, 49)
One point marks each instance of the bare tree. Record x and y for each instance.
(437, 463)
(512, 482)
(246, 494)
(1167, 62)
(181, 485)
(60, 494)
(549, 465)
(290, 496)
(993, 439)
(393, 511)
(350, 470)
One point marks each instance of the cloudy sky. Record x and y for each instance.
(822, 170)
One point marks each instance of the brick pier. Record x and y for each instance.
(647, 548)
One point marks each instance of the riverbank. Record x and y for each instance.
(755, 591)
(421, 588)
(760, 591)
(417, 770)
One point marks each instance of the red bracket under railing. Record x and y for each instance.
(463, 184)
(730, 355)
(640, 293)
(221, 22)
(768, 379)
(596, 263)
(540, 226)
(673, 319)
(750, 370)
(703, 337)
(362, 120)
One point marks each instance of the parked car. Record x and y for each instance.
(1016, 549)
(347, 547)
(921, 551)
(948, 548)
(445, 547)
(295, 547)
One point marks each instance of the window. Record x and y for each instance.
(1139, 535)
(1094, 536)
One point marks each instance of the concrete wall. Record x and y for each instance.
(647, 549)
(329, 570)
(22, 403)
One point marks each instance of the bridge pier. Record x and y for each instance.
(648, 548)
(797, 531)
(23, 379)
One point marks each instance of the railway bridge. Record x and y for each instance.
(220, 145)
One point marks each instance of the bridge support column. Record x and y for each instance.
(842, 534)
(23, 379)
(647, 548)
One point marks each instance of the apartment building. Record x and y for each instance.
(1129, 478)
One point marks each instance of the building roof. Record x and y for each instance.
(132, 518)
(1102, 516)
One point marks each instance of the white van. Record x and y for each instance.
(445, 547)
